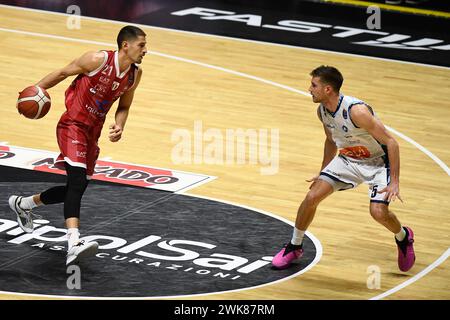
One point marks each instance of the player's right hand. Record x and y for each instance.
(115, 133)
(392, 192)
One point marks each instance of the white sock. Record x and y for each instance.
(297, 237)
(401, 235)
(73, 236)
(27, 203)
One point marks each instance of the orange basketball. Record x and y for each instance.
(33, 102)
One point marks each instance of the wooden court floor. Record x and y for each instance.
(232, 84)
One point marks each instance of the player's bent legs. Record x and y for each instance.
(70, 194)
(58, 194)
(318, 192)
(404, 236)
(293, 250)
(381, 213)
(23, 206)
(75, 188)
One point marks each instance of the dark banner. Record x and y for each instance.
(355, 30)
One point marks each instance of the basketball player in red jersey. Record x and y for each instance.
(102, 78)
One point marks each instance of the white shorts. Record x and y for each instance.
(343, 173)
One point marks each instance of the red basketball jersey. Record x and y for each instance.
(91, 95)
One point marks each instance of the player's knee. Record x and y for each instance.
(77, 187)
(76, 179)
(312, 199)
(379, 212)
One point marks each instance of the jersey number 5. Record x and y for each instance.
(374, 191)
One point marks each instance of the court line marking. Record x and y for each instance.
(316, 242)
(365, 4)
(416, 277)
(237, 73)
(421, 148)
(156, 53)
(226, 37)
(90, 229)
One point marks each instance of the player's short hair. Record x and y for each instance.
(128, 33)
(329, 75)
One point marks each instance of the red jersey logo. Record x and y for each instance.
(90, 96)
(358, 152)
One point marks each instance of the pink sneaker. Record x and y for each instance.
(289, 253)
(406, 256)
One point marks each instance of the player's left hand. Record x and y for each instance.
(115, 133)
(392, 192)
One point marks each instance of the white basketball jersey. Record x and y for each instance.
(352, 141)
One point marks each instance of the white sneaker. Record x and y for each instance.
(24, 217)
(81, 250)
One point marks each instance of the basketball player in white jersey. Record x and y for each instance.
(367, 152)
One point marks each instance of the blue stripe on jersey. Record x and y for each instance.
(387, 165)
(333, 114)
(336, 179)
(386, 156)
(380, 201)
(359, 102)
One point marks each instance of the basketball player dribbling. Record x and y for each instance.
(367, 153)
(102, 78)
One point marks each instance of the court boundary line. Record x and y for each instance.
(391, 7)
(237, 73)
(314, 239)
(428, 153)
(416, 277)
(225, 37)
